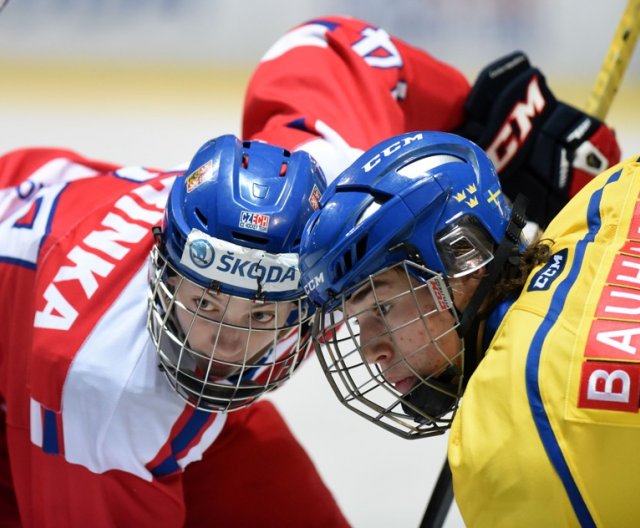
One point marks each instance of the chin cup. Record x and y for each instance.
(433, 399)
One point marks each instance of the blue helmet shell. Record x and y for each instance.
(376, 214)
(248, 193)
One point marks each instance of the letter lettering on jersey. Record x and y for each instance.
(87, 266)
(601, 386)
(105, 241)
(618, 301)
(377, 49)
(610, 386)
(631, 248)
(610, 375)
(58, 314)
(625, 271)
(28, 189)
(38, 206)
(156, 197)
(507, 142)
(613, 340)
(136, 212)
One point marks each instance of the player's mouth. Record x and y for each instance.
(404, 385)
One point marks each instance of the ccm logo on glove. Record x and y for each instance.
(517, 126)
(541, 147)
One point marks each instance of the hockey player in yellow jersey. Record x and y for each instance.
(550, 423)
(426, 289)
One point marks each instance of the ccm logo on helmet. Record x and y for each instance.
(313, 283)
(508, 141)
(239, 266)
(390, 150)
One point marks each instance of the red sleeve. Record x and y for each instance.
(21, 164)
(345, 77)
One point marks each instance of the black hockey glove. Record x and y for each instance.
(541, 147)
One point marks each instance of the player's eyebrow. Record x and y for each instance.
(360, 295)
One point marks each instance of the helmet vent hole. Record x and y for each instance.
(348, 263)
(202, 217)
(245, 161)
(361, 247)
(252, 239)
(283, 168)
(351, 257)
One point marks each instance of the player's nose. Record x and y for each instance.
(375, 342)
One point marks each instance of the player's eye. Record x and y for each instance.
(384, 308)
(263, 317)
(203, 304)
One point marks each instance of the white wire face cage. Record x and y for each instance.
(396, 358)
(222, 352)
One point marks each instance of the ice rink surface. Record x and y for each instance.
(159, 118)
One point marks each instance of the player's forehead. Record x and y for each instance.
(378, 288)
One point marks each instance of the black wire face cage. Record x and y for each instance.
(221, 352)
(396, 358)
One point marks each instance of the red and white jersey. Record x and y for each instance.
(95, 433)
(336, 86)
(78, 367)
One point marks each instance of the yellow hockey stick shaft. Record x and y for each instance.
(615, 61)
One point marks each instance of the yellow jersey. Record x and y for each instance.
(548, 432)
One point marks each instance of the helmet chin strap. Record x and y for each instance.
(435, 398)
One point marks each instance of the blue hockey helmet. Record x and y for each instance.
(235, 217)
(227, 314)
(419, 196)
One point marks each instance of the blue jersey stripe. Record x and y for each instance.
(190, 430)
(538, 412)
(50, 443)
(187, 434)
(327, 23)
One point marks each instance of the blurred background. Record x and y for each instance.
(145, 82)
